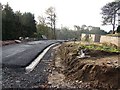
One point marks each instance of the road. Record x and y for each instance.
(21, 55)
(15, 78)
(16, 57)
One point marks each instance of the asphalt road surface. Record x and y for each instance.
(15, 78)
(21, 55)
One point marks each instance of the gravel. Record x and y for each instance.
(18, 78)
(39, 77)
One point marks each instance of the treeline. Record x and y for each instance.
(66, 33)
(90, 29)
(17, 24)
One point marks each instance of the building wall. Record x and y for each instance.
(109, 39)
(103, 39)
(92, 37)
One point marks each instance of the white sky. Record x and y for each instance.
(69, 12)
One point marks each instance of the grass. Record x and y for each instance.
(102, 47)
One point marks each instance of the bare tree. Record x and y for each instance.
(51, 16)
(42, 20)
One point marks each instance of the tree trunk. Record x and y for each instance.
(114, 18)
(54, 26)
(113, 32)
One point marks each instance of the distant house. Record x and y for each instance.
(91, 37)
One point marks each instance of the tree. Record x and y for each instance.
(97, 30)
(109, 12)
(51, 16)
(83, 27)
(28, 24)
(89, 28)
(17, 24)
(77, 27)
(118, 29)
(43, 30)
(92, 30)
(78, 31)
(8, 25)
(42, 20)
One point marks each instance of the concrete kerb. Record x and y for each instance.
(30, 67)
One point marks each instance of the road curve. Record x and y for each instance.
(21, 55)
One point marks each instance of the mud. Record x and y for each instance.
(101, 70)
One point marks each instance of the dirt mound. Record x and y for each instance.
(99, 76)
(98, 53)
(101, 70)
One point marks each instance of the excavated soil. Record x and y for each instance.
(101, 70)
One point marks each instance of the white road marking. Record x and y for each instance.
(37, 60)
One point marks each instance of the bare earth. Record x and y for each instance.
(100, 71)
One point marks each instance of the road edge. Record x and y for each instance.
(33, 64)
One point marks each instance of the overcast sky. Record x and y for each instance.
(69, 12)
